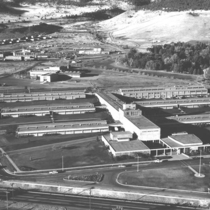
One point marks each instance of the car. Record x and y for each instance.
(121, 166)
(53, 172)
(158, 161)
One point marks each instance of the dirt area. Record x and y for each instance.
(12, 67)
(81, 154)
(174, 178)
(111, 79)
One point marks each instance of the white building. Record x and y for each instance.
(119, 144)
(132, 119)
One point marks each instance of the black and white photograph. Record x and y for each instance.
(104, 104)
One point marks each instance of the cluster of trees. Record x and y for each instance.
(100, 14)
(176, 57)
(140, 2)
(178, 5)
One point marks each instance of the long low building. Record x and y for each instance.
(36, 96)
(164, 92)
(183, 119)
(41, 110)
(169, 104)
(63, 128)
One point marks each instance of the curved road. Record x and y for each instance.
(109, 182)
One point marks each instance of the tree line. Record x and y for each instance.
(175, 57)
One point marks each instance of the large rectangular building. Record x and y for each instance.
(36, 96)
(171, 103)
(63, 128)
(164, 92)
(41, 110)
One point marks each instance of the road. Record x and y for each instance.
(87, 202)
(109, 182)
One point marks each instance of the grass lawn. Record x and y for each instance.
(74, 155)
(174, 178)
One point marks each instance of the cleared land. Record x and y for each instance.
(12, 67)
(174, 178)
(117, 79)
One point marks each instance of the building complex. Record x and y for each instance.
(140, 132)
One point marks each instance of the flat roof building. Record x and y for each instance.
(63, 128)
(121, 135)
(169, 104)
(164, 92)
(120, 148)
(37, 73)
(34, 96)
(41, 110)
(183, 119)
(182, 143)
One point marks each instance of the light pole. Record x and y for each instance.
(62, 163)
(90, 198)
(137, 163)
(7, 199)
(199, 175)
(200, 164)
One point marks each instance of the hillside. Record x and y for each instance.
(144, 27)
(178, 5)
(44, 9)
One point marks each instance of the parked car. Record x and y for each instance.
(121, 166)
(158, 161)
(53, 172)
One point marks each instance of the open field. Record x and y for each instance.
(88, 153)
(117, 79)
(12, 67)
(174, 178)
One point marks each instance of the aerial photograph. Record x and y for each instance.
(104, 104)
